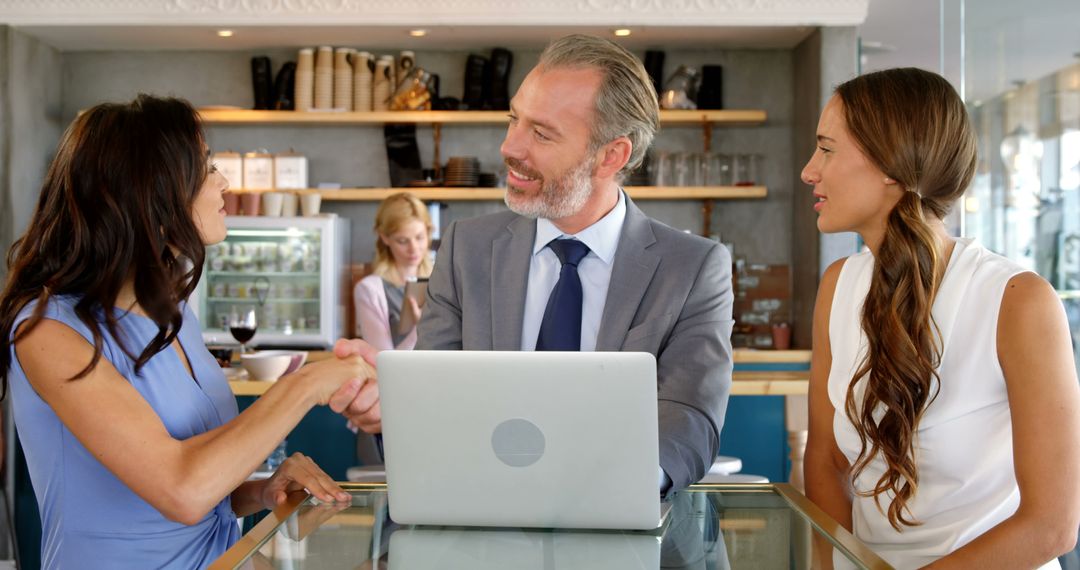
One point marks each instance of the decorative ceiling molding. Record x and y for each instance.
(433, 13)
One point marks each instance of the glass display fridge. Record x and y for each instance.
(287, 272)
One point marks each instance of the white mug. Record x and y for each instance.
(272, 203)
(289, 204)
(309, 204)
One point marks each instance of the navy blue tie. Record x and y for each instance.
(561, 327)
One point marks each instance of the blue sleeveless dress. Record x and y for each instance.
(89, 518)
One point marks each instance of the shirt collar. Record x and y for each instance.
(602, 237)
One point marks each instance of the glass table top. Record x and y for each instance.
(708, 527)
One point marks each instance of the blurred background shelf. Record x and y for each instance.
(732, 117)
(467, 194)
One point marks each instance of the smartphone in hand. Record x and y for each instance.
(417, 290)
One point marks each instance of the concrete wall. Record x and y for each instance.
(35, 95)
(30, 124)
(821, 62)
(7, 213)
(838, 64)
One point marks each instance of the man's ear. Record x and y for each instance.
(613, 156)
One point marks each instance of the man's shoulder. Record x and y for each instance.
(669, 238)
(486, 225)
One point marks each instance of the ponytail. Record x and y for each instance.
(902, 356)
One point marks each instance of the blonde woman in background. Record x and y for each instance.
(402, 254)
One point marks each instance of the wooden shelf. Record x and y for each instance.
(730, 117)
(733, 117)
(496, 194)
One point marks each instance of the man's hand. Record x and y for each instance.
(358, 402)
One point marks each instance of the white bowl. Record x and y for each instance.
(266, 366)
(298, 358)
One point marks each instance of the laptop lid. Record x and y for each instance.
(529, 439)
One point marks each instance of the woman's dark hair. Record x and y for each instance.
(913, 126)
(115, 205)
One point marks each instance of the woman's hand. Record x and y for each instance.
(296, 473)
(362, 409)
(413, 308)
(329, 377)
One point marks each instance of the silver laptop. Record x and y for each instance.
(527, 439)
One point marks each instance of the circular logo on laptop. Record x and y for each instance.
(518, 442)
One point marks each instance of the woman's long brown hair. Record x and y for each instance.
(115, 205)
(913, 126)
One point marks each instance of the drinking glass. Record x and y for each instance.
(682, 169)
(745, 169)
(663, 172)
(698, 163)
(718, 172)
(242, 325)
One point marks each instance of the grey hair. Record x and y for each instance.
(626, 103)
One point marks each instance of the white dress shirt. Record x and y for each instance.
(594, 270)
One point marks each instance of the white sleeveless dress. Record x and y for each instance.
(964, 441)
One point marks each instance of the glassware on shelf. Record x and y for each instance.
(745, 169)
(680, 90)
(663, 169)
(413, 92)
(683, 169)
(242, 325)
(698, 165)
(718, 169)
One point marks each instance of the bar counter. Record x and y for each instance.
(757, 373)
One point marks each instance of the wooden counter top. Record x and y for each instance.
(773, 373)
(742, 356)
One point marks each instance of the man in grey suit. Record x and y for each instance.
(580, 122)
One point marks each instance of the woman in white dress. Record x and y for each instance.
(944, 404)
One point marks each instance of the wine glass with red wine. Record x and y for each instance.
(242, 325)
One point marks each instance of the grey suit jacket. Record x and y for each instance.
(670, 294)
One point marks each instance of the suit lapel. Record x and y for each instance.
(511, 254)
(631, 273)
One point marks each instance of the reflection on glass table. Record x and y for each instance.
(709, 527)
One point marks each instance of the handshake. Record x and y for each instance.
(348, 384)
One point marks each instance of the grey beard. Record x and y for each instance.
(559, 199)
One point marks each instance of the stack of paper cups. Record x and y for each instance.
(383, 86)
(363, 72)
(393, 74)
(324, 78)
(405, 64)
(305, 79)
(343, 79)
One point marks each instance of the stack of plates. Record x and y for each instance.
(462, 171)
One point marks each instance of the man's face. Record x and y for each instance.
(547, 150)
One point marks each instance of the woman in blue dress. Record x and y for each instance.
(136, 451)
